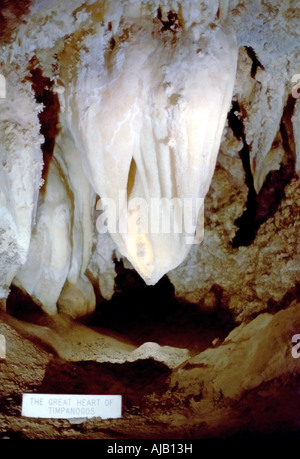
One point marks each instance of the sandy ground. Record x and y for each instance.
(58, 355)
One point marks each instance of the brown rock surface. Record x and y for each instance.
(251, 278)
(247, 383)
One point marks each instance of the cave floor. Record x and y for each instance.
(59, 355)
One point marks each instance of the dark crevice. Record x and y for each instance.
(247, 231)
(171, 24)
(112, 43)
(143, 313)
(49, 116)
(260, 207)
(274, 306)
(9, 406)
(138, 313)
(21, 305)
(255, 61)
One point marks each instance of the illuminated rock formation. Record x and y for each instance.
(147, 102)
(142, 92)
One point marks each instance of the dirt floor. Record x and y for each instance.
(106, 354)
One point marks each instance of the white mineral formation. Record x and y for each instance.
(61, 242)
(144, 91)
(146, 103)
(46, 269)
(20, 173)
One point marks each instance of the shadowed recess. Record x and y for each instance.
(42, 87)
(255, 62)
(143, 313)
(260, 207)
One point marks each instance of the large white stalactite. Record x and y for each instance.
(147, 114)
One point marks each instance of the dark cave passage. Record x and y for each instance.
(144, 313)
(49, 116)
(138, 313)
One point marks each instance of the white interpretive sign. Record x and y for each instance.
(71, 406)
(2, 347)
